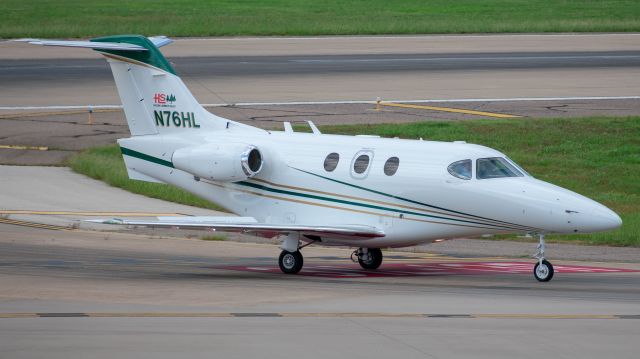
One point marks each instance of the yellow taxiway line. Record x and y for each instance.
(448, 109)
(34, 225)
(20, 147)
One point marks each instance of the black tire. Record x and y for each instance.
(290, 262)
(375, 259)
(544, 272)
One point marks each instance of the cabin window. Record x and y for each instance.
(391, 166)
(495, 167)
(331, 162)
(361, 164)
(460, 169)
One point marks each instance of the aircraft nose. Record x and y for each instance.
(606, 219)
(595, 218)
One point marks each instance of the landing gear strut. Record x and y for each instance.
(368, 258)
(543, 270)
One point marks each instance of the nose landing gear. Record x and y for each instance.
(543, 270)
(368, 258)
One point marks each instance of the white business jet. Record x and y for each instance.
(364, 192)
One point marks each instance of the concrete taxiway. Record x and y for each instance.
(71, 291)
(73, 294)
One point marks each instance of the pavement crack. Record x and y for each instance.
(558, 108)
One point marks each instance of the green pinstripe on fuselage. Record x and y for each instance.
(502, 226)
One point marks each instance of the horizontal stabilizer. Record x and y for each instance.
(250, 225)
(85, 44)
(158, 41)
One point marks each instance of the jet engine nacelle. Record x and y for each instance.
(224, 162)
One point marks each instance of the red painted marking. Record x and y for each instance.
(159, 98)
(426, 269)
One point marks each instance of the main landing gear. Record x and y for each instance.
(543, 270)
(368, 258)
(291, 260)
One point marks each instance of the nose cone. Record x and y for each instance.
(594, 217)
(567, 211)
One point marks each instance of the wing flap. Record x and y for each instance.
(250, 225)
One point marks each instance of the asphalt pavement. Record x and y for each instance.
(73, 294)
(234, 70)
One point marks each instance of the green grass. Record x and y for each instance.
(214, 237)
(75, 18)
(105, 163)
(597, 157)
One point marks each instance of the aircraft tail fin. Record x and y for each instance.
(154, 98)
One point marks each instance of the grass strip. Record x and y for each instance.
(105, 163)
(598, 157)
(85, 18)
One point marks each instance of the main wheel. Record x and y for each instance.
(290, 262)
(543, 271)
(373, 261)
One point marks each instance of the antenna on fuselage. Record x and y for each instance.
(314, 129)
(287, 127)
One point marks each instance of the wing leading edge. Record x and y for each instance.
(250, 225)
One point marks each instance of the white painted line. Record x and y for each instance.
(425, 101)
(42, 67)
(470, 58)
(61, 107)
(356, 37)
(515, 99)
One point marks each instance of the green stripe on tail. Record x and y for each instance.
(152, 56)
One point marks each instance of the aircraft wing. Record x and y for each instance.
(250, 225)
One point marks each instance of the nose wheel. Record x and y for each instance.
(543, 270)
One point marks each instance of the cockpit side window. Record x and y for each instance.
(495, 167)
(460, 169)
(526, 174)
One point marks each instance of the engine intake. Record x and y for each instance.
(251, 160)
(225, 162)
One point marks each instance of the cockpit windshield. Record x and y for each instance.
(460, 169)
(496, 167)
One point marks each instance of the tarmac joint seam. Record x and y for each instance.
(312, 315)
